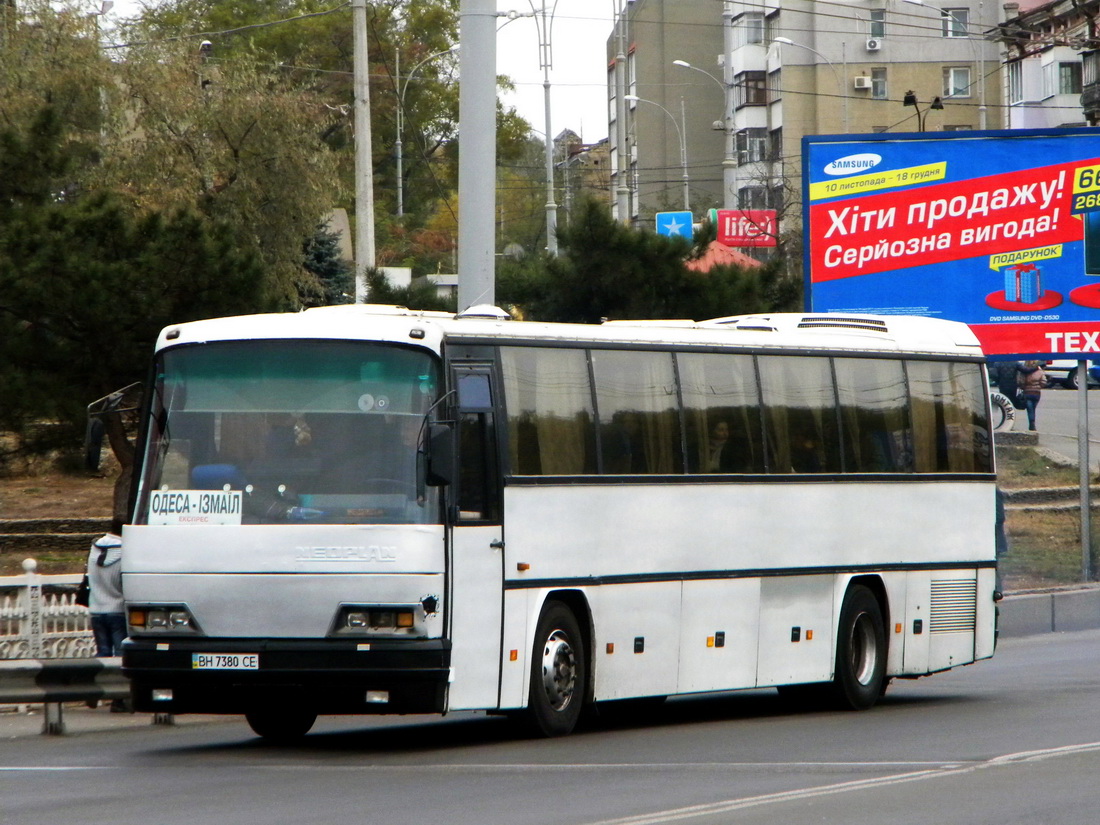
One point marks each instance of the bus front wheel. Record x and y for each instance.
(558, 672)
(280, 724)
(860, 650)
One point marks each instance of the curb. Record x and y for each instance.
(1054, 611)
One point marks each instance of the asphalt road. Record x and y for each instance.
(1011, 740)
(1056, 421)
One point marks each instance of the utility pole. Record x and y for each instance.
(622, 189)
(364, 168)
(477, 154)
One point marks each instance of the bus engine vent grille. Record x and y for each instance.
(840, 322)
(954, 606)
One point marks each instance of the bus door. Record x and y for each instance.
(476, 545)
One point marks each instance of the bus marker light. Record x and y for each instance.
(162, 646)
(610, 647)
(809, 635)
(720, 638)
(639, 644)
(162, 694)
(521, 566)
(378, 697)
(897, 627)
(710, 641)
(362, 647)
(513, 655)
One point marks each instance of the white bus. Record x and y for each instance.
(366, 509)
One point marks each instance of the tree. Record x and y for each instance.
(237, 141)
(335, 275)
(606, 270)
(87, 282)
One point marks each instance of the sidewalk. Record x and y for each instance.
(17, 722)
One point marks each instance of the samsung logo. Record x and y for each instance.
(853, 163)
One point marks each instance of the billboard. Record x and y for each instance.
(999, 230)
(746, 227)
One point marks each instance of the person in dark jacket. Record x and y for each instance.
(1031, 381)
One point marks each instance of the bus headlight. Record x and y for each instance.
(375, 620)
(168, 619)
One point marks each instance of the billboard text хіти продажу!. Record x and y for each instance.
(987, 228)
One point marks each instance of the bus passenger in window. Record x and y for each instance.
(804, 457)
(718, 449)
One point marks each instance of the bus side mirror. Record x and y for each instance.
(440, 468)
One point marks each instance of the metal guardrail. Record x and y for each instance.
(47, 649)
(55, 681)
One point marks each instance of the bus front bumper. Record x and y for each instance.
(329, 676)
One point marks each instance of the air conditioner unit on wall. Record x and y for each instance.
(861, 82)
(873, 44)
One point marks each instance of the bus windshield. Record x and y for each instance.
(283, 432)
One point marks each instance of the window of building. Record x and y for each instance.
(775, 85)
(1090, 68)
(877, 28)
(750, 89)
(958, 127)
(775, 144)
(752, 197)
(878, 130)
(956, 81)
(771, 26)
(752, 145)
(1015, 82)
(956, 22)
(878, 84)
(1062, 79)
(776, 197)
(749, 28)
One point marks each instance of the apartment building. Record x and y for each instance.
(754, 77)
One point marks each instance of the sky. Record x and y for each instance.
(578, 76)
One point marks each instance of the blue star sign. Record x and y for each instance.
(674, 223)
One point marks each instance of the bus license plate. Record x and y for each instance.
(225, 661)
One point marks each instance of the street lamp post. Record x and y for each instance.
(683, 143)
(546, 59)
(404, 87)
(841, 89)
(978, 53)
(910, 99)
(729, 158)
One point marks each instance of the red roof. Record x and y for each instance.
(718, 254)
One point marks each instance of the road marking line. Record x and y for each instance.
(955, 769)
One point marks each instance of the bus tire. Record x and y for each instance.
(280, 724)
(558, 672)
(860, 651)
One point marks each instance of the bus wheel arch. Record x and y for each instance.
(560, 665)
(861, 645)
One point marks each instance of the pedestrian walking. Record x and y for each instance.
(1031, 380)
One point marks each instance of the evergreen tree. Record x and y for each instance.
(86, 284)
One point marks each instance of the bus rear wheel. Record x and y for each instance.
(860, 650)
(558, 672)
(280, 725)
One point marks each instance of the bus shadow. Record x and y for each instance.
(464, 731)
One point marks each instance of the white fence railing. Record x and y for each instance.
(36, 624)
